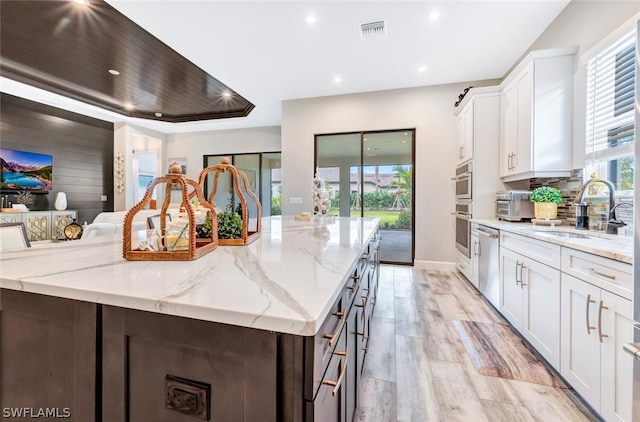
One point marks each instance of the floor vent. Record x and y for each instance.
(375, 29)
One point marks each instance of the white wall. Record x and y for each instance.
(193, 146)
(427, 109)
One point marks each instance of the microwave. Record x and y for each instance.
(514, 205)
(463, 182)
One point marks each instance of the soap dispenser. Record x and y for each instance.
(582, 216)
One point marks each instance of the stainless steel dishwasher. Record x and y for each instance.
(488, 263)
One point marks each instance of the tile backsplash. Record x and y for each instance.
(570, 186)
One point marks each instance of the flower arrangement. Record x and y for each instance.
(546, 194)
(24, 197)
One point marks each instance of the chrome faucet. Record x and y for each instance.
(611, 213)
(613, 224)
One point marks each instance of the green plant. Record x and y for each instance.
(229, 225)
(404, 220)
(546, 194)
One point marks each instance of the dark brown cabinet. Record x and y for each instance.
(100, 362)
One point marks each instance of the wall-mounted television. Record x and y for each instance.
(23, 170)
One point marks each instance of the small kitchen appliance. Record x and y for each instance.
(514, 205)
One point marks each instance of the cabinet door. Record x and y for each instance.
(508, 118)
(37, 224)
(460, 136)
(510, 290)
(467, 146)
(524, 121)
(580, 360)
(541, 316)
(60, 220)
(616, 327)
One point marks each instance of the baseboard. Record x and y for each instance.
(435, 265)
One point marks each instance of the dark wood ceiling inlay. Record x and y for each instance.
(68, 48)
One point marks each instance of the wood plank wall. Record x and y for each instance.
(81, 146)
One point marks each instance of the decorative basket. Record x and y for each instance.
(545, 210)
(246, 235)
(191, 247)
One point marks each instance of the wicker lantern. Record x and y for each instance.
(251, 225)
(177, 241)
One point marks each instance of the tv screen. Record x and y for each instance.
(25, 171)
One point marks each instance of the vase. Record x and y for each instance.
(61, 201)
(545, 210)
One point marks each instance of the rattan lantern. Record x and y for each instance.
(251, 224)
(176, 240)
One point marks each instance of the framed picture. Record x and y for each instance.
(182, 162)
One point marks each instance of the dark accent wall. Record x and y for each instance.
(81, 146)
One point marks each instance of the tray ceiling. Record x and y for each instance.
(70, 48)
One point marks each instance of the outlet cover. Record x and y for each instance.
(103, 198)
(294, 200)
(188, 397)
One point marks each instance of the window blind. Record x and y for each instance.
(610, 99)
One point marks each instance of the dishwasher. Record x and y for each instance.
(488, 259)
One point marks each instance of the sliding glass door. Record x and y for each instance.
(370, 174)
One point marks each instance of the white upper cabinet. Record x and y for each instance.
(465, 129)
(536, 116)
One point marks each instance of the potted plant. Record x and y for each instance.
(545, 202)
(229, 225)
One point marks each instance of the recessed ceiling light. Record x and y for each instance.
(128, 106)
(434, 15)
(406, 134)
(310, 19)
(82, 2)
(337, 79)
(422, 69)
(158, 114)
(114, 72)
(226, 94)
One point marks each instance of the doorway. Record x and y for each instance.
(370, 174)
(263, 171)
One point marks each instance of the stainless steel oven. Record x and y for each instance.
(463, 227)
(463, 181)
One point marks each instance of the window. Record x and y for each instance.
(610, 115)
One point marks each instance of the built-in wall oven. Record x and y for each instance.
(463, 215)
(463, 181)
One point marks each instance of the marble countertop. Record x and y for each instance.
(285, 281)
(615, 247)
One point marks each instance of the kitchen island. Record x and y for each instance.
(276, 330)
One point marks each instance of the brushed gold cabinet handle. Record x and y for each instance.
(600, 335)
(334, 336)
(366, 348)
(354, 286)
(336, 384)
(514, 163)
(518, 263)
(589, 327)
(596, 271)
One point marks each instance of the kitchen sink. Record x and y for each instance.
(570, 235)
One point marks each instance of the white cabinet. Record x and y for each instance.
(595, 326)
(465, 132)
(530, 297)
(42, 225)
(536, 116)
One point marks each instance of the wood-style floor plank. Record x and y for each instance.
(418, 370)
(379, 401)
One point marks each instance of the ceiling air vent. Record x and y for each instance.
(375, 29)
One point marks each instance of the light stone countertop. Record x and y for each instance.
(285, 281)
(610, 246)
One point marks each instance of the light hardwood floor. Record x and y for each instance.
(417, 369)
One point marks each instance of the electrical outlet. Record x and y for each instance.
(103, 198)
(188, 397)
(295, 200)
